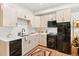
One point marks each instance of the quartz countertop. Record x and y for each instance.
(18, 37)
(10, 38)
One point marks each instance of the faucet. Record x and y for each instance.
(23, 30)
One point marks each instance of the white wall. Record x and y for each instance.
(4, 31)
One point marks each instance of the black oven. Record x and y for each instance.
(51, 41)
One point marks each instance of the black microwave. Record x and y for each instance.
(52, 24)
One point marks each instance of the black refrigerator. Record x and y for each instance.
(59, 36)
(64, 37)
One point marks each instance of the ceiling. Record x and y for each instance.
(40, 6)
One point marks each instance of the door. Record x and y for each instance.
(43, 39)
(63, 37)
(60, 41)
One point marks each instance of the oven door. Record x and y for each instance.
(51, 41)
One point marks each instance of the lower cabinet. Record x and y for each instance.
(43, 40)
(29, 43)
(21, 46)
(4, 48)
(11, 48)
(25, 45)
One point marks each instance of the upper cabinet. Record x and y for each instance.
(36, 21)
(63, 15)
(43, 20)
(52, 17)
(21, 13)
(59, 16)
(7, 15)
(10, 13)
(67, 15)
(26, 14)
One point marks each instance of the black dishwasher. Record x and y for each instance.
(15, 47)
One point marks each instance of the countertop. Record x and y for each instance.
(6, 39)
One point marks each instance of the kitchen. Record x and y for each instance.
(24, 26)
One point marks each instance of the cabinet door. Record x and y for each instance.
(4, 48)
(29, 15)
(67, 15)
(25, 46)
(30, 43)
(43, 39)
(43, 21)
(52, 17)
(33, 42)
(9, 15)
(36, 21)
(37, 39)
(20, 13)
(60, 16)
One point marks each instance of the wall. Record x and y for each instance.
(4, 31)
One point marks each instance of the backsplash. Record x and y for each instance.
(5, 30)
(41, 29)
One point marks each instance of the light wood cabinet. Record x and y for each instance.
(36, 21)
(21, 13)
(45, 18)
(43, 21)
(52, 17)
(10, 48)
(28, 43)
(67, 15)
(7, 15)
(25, 45)
(63, 15)
(33, 41)
(3, 48)
(59, 16)
(42, 40)
(26, 14)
